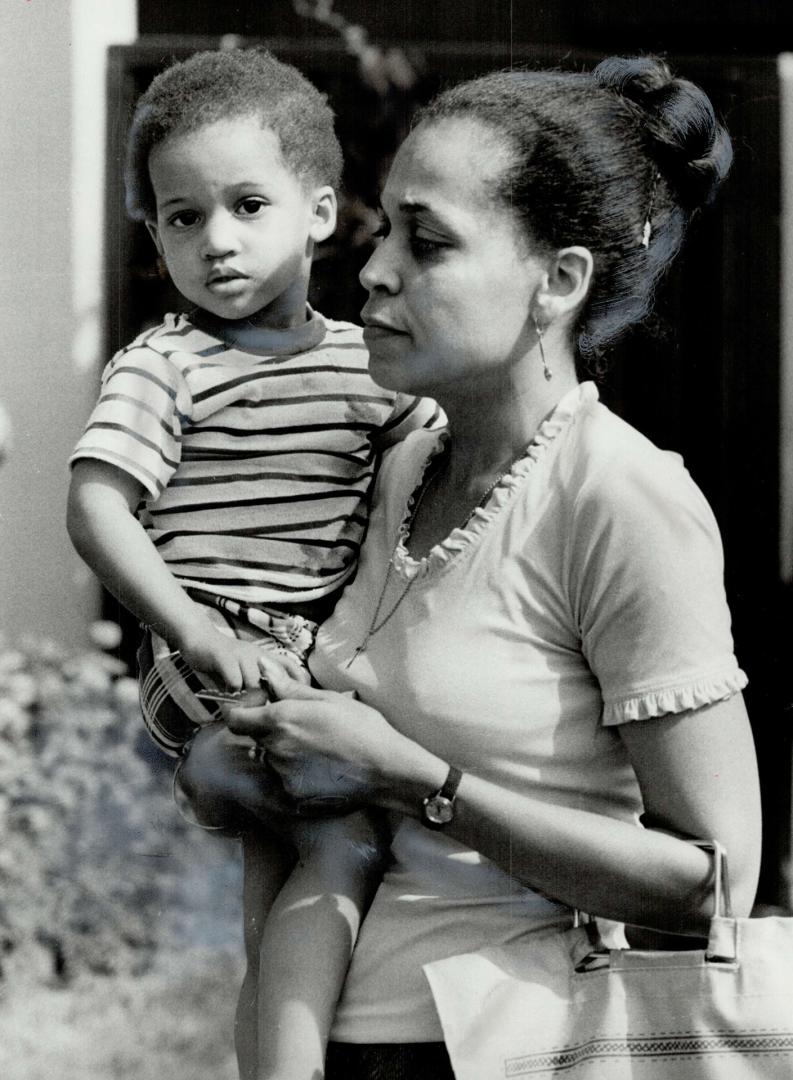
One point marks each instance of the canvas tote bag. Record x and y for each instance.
(561, 1005)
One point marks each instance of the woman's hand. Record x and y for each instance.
(358, 748)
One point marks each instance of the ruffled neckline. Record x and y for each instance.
(501, 495)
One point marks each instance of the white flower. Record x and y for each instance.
(126, 690)
(13, 762)
(105, 634)
(112, 664)
(35, 818)
(46, 650)
(12, 660)
(22, 688)
(7, 859)
(51, 686)
(14, 719)
(88, 675)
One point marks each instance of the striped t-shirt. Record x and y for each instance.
(256, 453)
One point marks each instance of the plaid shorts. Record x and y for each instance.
(167, 684)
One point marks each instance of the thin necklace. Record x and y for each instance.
(374, 626)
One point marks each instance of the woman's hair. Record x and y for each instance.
(617, 160)
(229, 84)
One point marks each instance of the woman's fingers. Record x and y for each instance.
(287, 730)
(249, 720)
(270, 743)
(284, 684)
(291, 665)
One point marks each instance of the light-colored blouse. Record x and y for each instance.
(587, 592)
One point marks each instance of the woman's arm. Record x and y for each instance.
(696, 771)
(698, 778)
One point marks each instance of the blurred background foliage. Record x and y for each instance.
(120, 923)
(96, 860)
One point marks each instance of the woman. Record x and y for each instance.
(537, 635)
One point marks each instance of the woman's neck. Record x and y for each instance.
(490, 425)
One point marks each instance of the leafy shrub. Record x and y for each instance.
(92, 849)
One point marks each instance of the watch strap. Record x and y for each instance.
(451, 783)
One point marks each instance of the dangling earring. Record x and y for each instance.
(546, 370)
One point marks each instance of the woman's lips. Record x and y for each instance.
(375, 328)
(372, 332)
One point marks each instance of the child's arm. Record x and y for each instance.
(104, 530)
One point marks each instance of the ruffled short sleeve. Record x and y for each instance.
(646, 573)
(137, 422)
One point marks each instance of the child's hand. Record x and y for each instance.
(230, 664)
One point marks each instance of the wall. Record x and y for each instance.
(51, 103)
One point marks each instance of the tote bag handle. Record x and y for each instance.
(722, 900)
(722, 903)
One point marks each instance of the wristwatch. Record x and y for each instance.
(438, 810)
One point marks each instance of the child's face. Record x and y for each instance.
(235, 226)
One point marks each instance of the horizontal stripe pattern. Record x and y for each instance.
(256, 463)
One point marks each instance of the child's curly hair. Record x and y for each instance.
(232, 83)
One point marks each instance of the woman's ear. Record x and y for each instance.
(323, 222)
(566, 283)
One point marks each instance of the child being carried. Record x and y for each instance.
(220, 491)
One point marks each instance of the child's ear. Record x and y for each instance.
(324, 213)
(154, 233)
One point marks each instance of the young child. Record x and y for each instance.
(220, 488)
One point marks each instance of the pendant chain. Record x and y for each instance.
(375, 626)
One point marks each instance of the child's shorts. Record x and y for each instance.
(171, 711)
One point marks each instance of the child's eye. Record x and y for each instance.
(184, 219)
(251, 207)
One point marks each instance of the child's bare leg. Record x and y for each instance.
(266, 865)
(309, 937)
(226, 789)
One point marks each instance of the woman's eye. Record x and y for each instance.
(424, 246)
(251, 207)
(184, 219)
(382, 230)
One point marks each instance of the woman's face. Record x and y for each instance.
(452, 279)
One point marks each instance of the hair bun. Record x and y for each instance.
(692, 149)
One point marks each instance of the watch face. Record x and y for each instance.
(438, 810)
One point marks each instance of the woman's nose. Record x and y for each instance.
(380, 271)
(219, 237)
